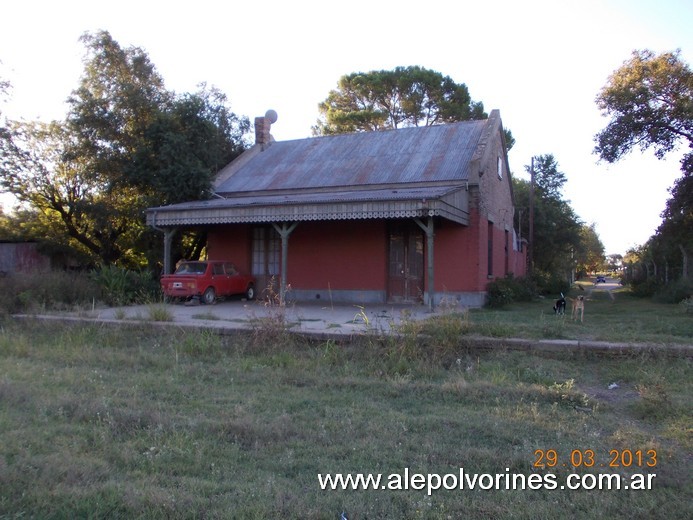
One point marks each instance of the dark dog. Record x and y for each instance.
(559, 307)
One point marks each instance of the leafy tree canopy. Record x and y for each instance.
(650, 102)
(557, 229)
(547, 176)
(390, 99)
(127, 144)
(5, 132)
(590, 255)
(674, 236)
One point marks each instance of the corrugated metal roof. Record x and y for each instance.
(423, 154)
(314, 197)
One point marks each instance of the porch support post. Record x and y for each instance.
(168, 239)
(284, 231)
(430, 272)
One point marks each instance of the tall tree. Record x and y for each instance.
(184, 146)
(557, 229)
(650, 102)
(119, 96)
(615, 261)
(127, 144)
(675, 233)
(590, 255)
(390, 99)
(6, 138)
(39, 174)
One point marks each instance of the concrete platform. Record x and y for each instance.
(339, 322)
(346, 320)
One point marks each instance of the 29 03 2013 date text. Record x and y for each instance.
(587, 458)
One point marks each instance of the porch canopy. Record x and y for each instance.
(382, 203)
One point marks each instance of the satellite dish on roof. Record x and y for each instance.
(271, 115)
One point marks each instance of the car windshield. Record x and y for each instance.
(192, 268)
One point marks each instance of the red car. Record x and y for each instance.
(207, 280)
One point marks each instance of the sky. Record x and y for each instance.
(540, 62)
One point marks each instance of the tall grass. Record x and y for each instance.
(55, 290)
(122, 287)
(66, 290)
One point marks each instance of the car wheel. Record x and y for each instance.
(250, 292)
(209, 296)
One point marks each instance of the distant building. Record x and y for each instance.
(22, 257)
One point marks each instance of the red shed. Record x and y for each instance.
(410, 215)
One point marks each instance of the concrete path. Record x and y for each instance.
(335, 320)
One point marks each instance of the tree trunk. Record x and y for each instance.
(684, 264)
(198, 245)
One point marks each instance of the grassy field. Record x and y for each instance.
(609, 316)
(99, 422)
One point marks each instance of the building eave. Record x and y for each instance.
(448, 203)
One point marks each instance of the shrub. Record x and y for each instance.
(645, 289)
(57, 290)
(674, 292)
(509, 289)
(524, 289)
(499, 293)
(122, 287)
(550, 283)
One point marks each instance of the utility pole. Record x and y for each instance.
(530, 267)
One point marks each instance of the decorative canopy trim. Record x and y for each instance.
(445, 202)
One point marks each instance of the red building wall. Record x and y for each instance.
(341, 255)
(456, 258)
(232, 243)
(325, 258)
(349, 259)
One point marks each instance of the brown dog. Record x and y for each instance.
(579, 307)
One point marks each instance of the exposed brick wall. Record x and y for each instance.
(262, 130)
(495, 205)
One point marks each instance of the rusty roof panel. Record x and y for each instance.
(314, 197)
(423, 154)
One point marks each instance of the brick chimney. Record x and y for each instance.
(262, 128)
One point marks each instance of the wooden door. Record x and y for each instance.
(406, 264)
(266, 255)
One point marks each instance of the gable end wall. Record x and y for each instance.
(494, 205)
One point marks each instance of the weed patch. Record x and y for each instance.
(159, 313)
(206, 316)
